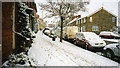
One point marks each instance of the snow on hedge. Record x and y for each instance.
(19, 60)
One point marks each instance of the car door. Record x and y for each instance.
(78, 40)
(81, 41)
(117, 50)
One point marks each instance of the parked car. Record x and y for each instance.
(46, 31)
(112, 50)
(110, 35)
(89, 40)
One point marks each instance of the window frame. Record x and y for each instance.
(84, 28)
(95, 28)
(84, 20)
(113, 19)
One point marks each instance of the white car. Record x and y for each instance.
(89, 40)
(112, 50)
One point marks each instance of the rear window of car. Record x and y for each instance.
(105, 33)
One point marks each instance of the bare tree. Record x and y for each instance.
(63, 9)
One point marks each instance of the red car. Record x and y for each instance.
(110, 35)
(89, 40)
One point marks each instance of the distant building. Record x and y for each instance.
(52, 25)
(101, 20)
(71, 20)
(41, 24)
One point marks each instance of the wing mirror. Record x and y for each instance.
(83, 39)
(117, 46)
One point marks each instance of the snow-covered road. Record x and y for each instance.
(54, 53)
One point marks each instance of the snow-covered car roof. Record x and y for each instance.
(89, 33)
(108, 33)
(47, 31)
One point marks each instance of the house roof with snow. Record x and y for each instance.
(72, 20)
(102, 8)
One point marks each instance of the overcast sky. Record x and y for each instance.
(110, 5)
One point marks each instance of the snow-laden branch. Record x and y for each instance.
(64, 9)
(68, 8)
(21, 35)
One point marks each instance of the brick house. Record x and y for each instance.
(0, 22)
(101, 20)
(7, 34)
(10, 40)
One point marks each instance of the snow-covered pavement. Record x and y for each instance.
(54, 53)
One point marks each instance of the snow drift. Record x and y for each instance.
(54, 53)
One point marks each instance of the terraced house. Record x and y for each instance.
(101, 20)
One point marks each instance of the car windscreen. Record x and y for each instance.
(91, 36)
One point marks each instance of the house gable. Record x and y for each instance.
(101, 9)
(102, 19)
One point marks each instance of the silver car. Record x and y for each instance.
(112, 50)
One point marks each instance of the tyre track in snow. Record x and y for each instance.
(58, 49)
(69, 54)
(50, 52)
(39, 43)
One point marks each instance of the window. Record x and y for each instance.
(95, 28)
(84, 28)
(113, 19)
(81, 20)
(90, 19)
(77, 22)
(81, 36)
(84, 20)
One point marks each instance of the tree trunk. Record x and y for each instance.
(61, 35)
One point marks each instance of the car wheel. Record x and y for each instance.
(86, 46)
(75, 42)
(109, 54)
